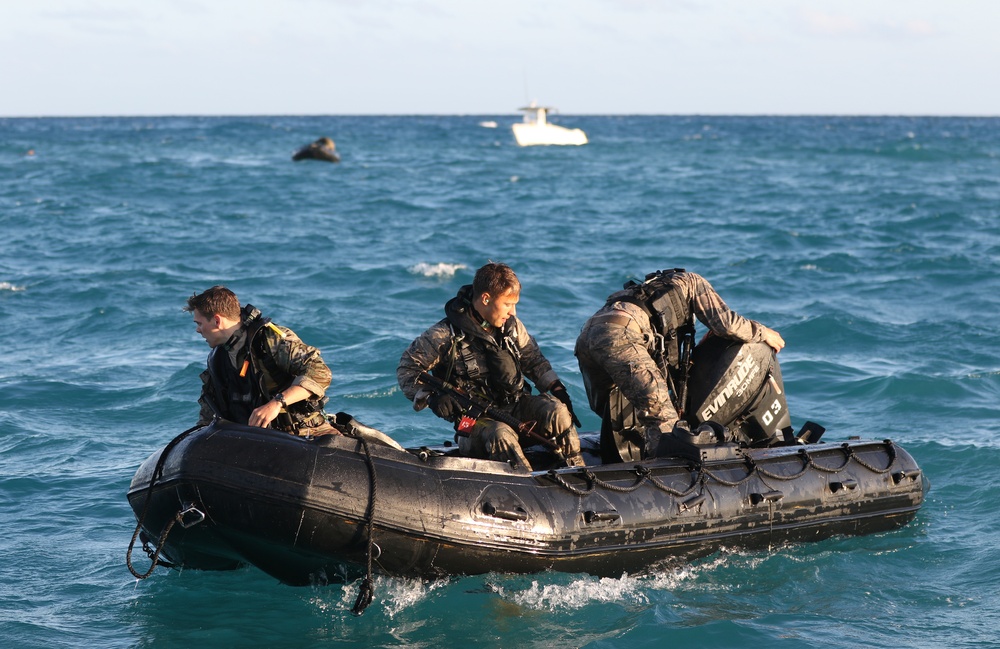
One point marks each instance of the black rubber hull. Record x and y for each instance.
(297, 509)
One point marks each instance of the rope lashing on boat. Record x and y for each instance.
(699, 479)
(848, 454)
(157, 474)
(890, 448)
(643, 474)
(752, 470)
(561, 481)
(367, 591)
(806, 463)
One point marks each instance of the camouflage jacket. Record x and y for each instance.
(702, 300)
(289, 362)
(445, 344)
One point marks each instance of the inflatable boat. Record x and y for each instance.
(311, 511)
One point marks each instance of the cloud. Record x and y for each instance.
(821, 23)
(913, 28)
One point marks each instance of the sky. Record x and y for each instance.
(488, 57)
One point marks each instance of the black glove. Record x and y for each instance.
(444, 406)
(559, 391)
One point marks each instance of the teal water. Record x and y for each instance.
(871, 244)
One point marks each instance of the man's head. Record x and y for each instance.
(496, 291)
(216, 314)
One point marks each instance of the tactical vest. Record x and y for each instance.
(237, 393)
(467, 365)
(663, 301)
(233, 395)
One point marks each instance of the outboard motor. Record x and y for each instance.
(739, 386)
(736, 385)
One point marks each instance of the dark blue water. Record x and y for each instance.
(871, 244)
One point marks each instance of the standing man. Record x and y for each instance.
(483, 348)
(635, 341)
(258, 373)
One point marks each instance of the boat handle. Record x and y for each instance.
(691, 503)
(190, 516)
(767, 496)
(899, 476)
(597, 517)
(848, 485)
(507, 514)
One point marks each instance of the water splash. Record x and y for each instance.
(627, 590)
(393, 595)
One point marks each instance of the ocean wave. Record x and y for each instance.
(441, 269)
(878, 268)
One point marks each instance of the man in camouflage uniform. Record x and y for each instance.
(258, 373)
(483, 348)
(627, 344)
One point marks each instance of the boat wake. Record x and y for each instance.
(557, 593)
(579, 593)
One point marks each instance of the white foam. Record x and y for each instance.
(392, 595)
(580, 593)
(7, 286)
(401, 594)
(436, 270)
(626, 590)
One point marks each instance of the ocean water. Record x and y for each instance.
(871, 244)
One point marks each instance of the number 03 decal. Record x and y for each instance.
(772, 411)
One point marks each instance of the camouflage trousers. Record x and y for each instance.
(613, 353)
(496, 440)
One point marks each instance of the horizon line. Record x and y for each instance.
(515, 115)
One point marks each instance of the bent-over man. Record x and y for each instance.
(631, 343)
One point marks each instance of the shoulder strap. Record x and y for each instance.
(456, 338)
(648, 294)
(262, 350)
(257, 345)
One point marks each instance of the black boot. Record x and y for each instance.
(679, 443)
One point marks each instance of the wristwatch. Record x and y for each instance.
(280, 398)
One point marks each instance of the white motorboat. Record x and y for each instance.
(536, 130)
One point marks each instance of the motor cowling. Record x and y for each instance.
(738, 385)
(735, 384)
